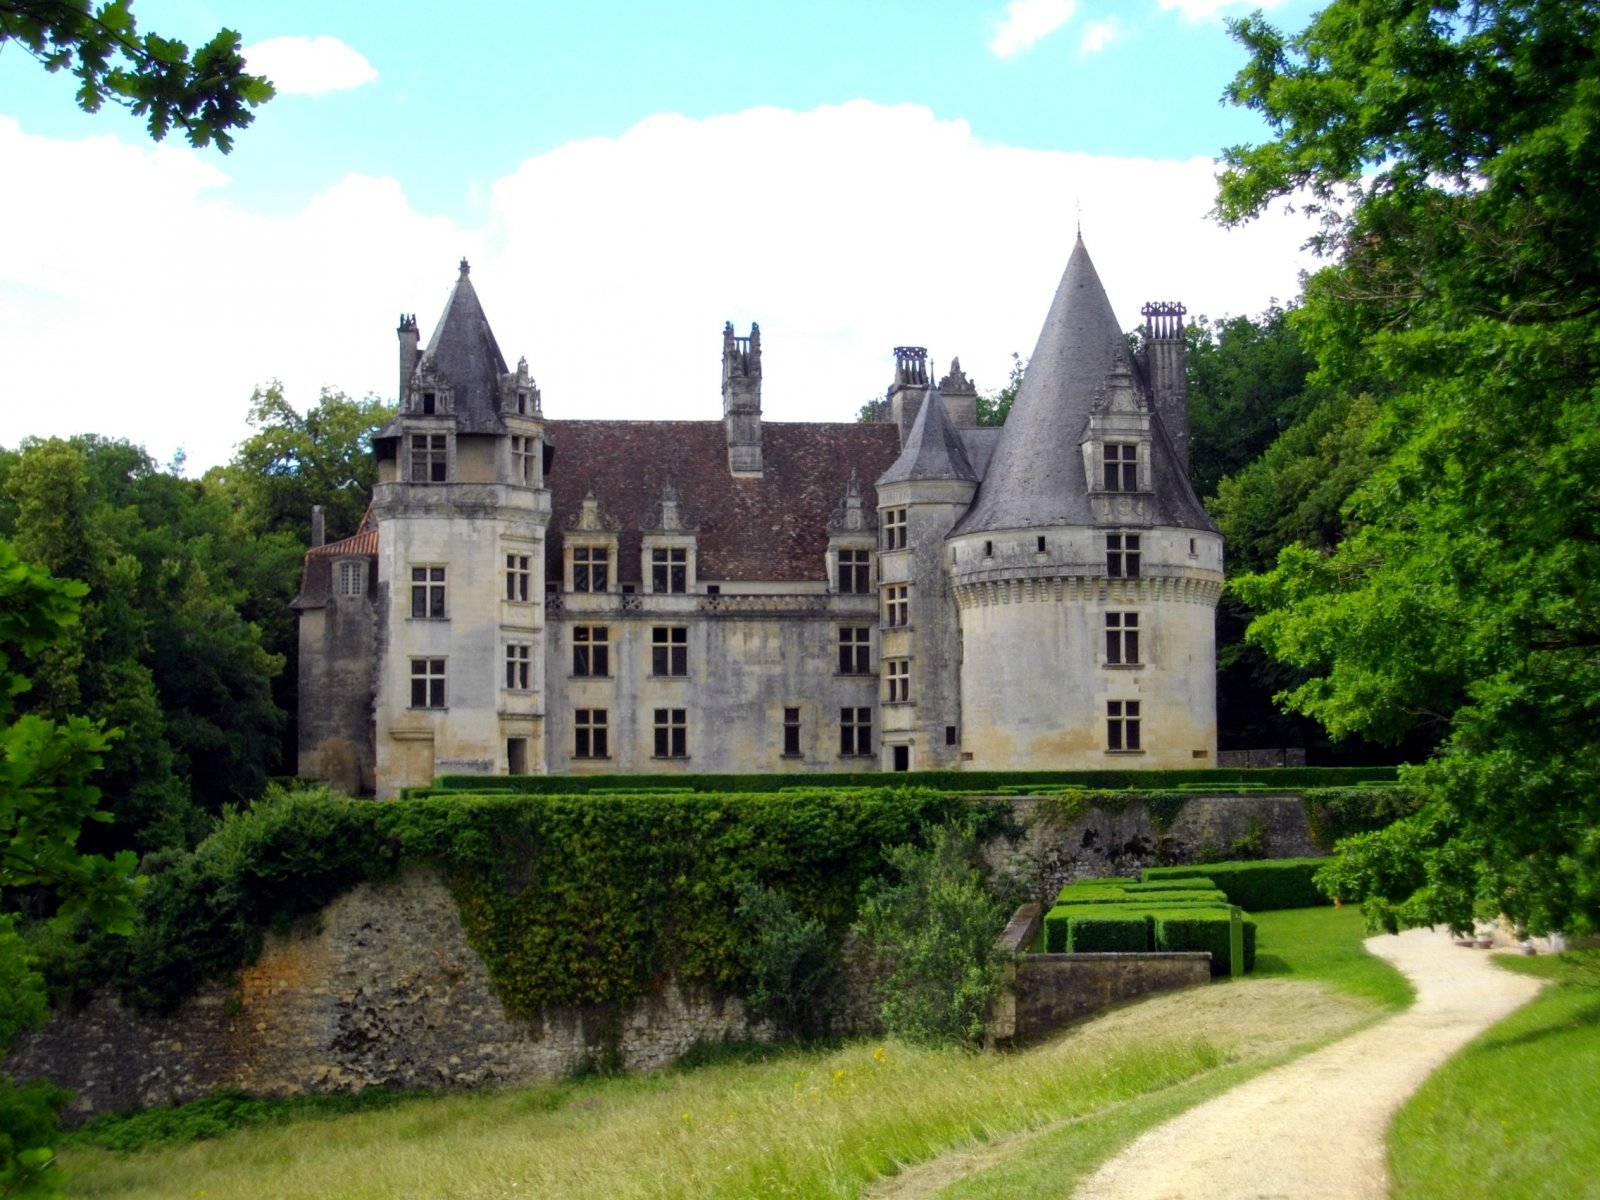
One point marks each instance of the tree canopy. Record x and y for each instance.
(1448, 151)
(206, 95)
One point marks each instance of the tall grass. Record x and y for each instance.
(1516, 1115)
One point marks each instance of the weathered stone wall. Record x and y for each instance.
(1051, 853)
(381, 987)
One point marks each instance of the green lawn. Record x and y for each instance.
(1516, 1115)
(1325, 944)
(823, 1123)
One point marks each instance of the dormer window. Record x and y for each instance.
(430, 403)
(590, 568)
(352, 578)
(1120, 462)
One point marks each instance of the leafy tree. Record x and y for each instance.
(205, 95)
(1449, 151)
(993, 407)
(936, 925)
(292, 462)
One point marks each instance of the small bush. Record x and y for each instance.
(789, 958)
(1258, 886)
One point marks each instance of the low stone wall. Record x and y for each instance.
(1044, 993)
(381, 988)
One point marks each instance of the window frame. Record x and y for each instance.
(671, 727)
(896, 605)
(669, 570)
(854, 577)
(428, 675)
(1119, 466)
(669, 651)
(430, 592)
(791, 733)
(855, 731)
(1123, 558)
(519, 577)
(591, 651)
(894, 528)
(430, 452)
(1123, 718)
(524, 454)
(1122, 639)
(590, 733)
(586, 562)
(350, 579)
(897, 680)
(855, 649)
(519, 666)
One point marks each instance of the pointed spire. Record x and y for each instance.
(933, 449)
(1036, 475)
(463, 353)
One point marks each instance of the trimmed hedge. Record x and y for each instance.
(1213, 931)
(1258, 886)
(1108, 934)
(969, 782)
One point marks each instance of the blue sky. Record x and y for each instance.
(624, 177)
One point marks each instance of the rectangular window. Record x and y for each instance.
(591, 650)
(1121, 462)
(1122, 638)
(427, 592)
(1122, 555)
(669, 650)
(519, 576)
(896, 605)
(523, 450)
(672, 733)
(896, 680)
(855, 650)
(855, 732)
(428, 458)
(430, 403)
(589, 733)
(894, 529)
(1122, 725)
(352, 578)
(855, 572)
(427, 683)
(791, 733)
(589, 568)
(519, 668)
(669, 570)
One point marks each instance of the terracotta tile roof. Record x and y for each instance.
(768, 529)
(316, 580)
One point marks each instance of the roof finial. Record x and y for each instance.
(1078, 200)
(465, 269)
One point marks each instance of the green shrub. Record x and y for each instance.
(1108, 934)
(1211, 930)
(1162, 896)
(935, 925)
(1258, 886)
(1197, 883)
(788, 958)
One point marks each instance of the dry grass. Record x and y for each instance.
(814, 1125)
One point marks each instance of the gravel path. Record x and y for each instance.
(1314, 1128)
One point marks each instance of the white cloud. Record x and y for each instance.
(1097, 35)
(302, 66)
(1028, 21)
(610, 263)
(1205, 10)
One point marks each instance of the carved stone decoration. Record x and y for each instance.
(851, 516)
(956, 383)
(667, 515)
(590, 517)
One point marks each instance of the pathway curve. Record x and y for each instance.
(1314, 1128)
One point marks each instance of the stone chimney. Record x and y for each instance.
(741, 400)
(910, 387)
(318, 536)
(1165, 366)
(408, 355)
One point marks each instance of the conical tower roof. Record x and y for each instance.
(932, 449)
(1036, 477)
(464, 354)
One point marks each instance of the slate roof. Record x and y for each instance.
(933, 449)
(1036, 476)
(463, 352)
(768, 529)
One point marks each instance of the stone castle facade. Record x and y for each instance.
(532, 595)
